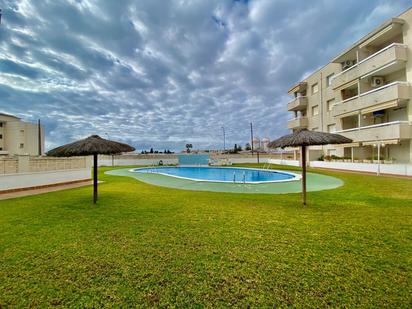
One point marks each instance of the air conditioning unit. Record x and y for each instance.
(347, 64)
(377, 81)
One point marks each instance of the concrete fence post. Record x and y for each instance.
(88, 161)
(23, 163)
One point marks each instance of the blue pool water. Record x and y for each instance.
(221, 174)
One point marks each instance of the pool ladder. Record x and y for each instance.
(244, 177)
(152, 167)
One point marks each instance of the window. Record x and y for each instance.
(21, 131)
(329, 79)
(1, 136)
(1, 124)
(330, 103)
(1, 148)
(331, 152)
(21, 146)
(315, 110)
(332, 128)
(315, 88)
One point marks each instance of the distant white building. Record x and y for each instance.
(256, 143)
(264, 144)
(19, 137)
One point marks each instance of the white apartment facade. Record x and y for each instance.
(365, 94)
(20, 138)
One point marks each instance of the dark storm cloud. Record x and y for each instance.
(163, 73)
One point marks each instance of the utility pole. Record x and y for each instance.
(257, 153)
(251, 137)
(39, 135)
(224, 140)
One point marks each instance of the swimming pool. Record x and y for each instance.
(222, 174)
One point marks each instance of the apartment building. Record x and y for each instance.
(364, 93)
(18, 137)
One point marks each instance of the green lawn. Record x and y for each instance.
(152, 246)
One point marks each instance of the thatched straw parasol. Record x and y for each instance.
(93, 145)
(303, 138)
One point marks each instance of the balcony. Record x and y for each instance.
(345, 76)
(380, 132)
(298, 103)
(383, 97)
(298, 123)
(394, 55)
(299, 87)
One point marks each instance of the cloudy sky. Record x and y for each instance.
(162, 73)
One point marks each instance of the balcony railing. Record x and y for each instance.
(387, 56)
(381, 131)
(399, 91)
(298, 103)
(299, 87)
(345, 76)
(390, 54)
(300, 122)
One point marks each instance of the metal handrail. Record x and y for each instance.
(373, 126)
(370, 57)
(373, 90)
(381, 51)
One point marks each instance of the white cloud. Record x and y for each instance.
(163, 73)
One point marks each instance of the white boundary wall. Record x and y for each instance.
(169, 159)
(285, 162)
(132, 161)
(247, 160)
(395, 169)
(26, 180)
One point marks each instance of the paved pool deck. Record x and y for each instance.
(315, 182)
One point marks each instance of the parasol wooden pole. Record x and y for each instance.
(95, 178)
(303, 154)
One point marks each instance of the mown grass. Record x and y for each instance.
(150, 246)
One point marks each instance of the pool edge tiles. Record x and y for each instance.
(316, 182)
(155, 170)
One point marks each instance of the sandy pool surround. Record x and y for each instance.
(315, 182)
